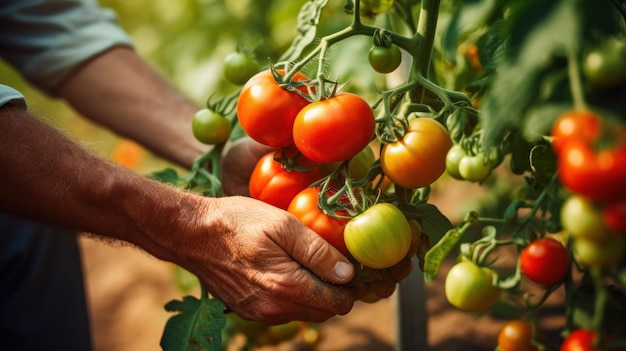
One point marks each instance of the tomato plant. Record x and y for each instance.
(379, 237)
(384, 59)
(319, 129)
(239, 67)
(280, 175)
(305, 207)
(470, 288)
(266, 110)
(419, 158)
(210, 127)
(516, 335)
(545, 261)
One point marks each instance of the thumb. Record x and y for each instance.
(321, 258)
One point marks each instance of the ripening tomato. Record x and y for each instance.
(516, 335)
(419, 158)
(597, 175)
(379, 237)
(277, 181)
(266, 110)
(470, 288)
(334, 129)
(580, 340)
(545, 261)
(580, 125)
(210, 127)
(305, 207)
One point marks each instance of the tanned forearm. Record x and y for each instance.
(117, 89)
(48, 177)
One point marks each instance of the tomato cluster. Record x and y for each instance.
(463, 166)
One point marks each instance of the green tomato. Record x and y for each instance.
(379, 237)
(240, 67)
(210, 127)
(603, 254)
(359, 165)
(474, 168)
(453, 158)
(582, 219)
(470, 288)
(605, 66)
(384, 59)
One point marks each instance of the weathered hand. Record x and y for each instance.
(239, 160)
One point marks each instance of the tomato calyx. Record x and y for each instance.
(291, 160)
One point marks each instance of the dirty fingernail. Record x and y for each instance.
(343, 270)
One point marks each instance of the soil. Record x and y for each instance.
(127, 289)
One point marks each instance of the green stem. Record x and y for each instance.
(576, 85)
(425, 36)
(601, 298)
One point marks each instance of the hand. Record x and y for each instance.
(264, 264)
(239, 160)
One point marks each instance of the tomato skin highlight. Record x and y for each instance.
(271, 183)
(305, 207)
(334, 129)
(545, 261)
(469, 287)
(379, 237)
(266, 111)
(419, 158)
(516, 335)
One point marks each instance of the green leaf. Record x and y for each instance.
(308, 19)
(197, 327)
(434, 223)
(168, 175)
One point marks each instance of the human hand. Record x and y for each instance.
(264, 264)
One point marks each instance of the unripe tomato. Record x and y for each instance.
(516, 335)
(474, 168)
(358, 166)
(603, 254)
(545, 261)
(470, 288)
(239, 67)
(384, 59)
(210, 127)
(453, 158)
(582, 219)
(419, 158)
(379, 237)
(604, 66)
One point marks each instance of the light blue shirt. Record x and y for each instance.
(46, 40)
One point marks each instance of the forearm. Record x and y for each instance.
(48, 177)
(120, 91)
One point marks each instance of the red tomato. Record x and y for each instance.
(516, 335)
(334, 129)
(276, 183)
(419, 158)
(305, 207)
(614, 215)
(266, 110)
(599, 176)
(580, 340)
(545, 261)
(575, 125)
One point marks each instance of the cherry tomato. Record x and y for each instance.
(474, 168)
(604, 254)
(580, 125)
(582, 219)
(334, 129)
(604, 65)
(597, 175)
(210, 127)
(277, 183)
(453, 158)
(266, 111)
(470, 288)
(384, 59)
(305, 207)
(370, 8)
(419, 158)
(545, 261)
(379, 237)
(516, 335)
(580, 340)
(614, 216)
(239, 67)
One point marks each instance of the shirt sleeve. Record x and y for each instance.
(8, 94)
(48, 39)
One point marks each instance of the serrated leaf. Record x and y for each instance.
(197, 326)
(308, 19)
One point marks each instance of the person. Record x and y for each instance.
(259, 260)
